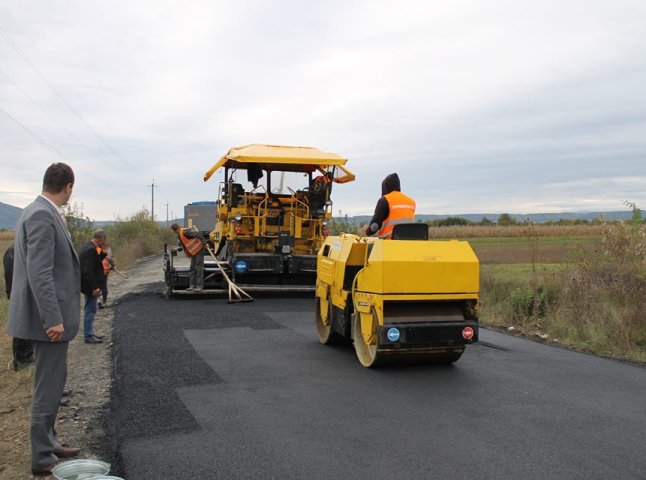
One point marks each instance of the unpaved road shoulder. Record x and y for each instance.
(91, 369)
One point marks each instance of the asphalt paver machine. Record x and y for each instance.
(272, 212)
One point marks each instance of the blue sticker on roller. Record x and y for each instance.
(241, 266)
(393, 334)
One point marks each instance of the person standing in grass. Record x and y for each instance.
(192, 242)
(23, 350)
(44, 307)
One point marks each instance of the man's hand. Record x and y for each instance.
(56, 332)
(96, 292)
(364, 230)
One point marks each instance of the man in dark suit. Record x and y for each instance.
(44, 307)
(23, 351)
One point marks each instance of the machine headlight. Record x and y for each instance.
(238, 217)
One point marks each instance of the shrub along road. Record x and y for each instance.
(205, 389)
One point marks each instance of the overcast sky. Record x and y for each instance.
(480, 106)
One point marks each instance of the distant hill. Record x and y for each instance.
(534, 217)
(9, 216)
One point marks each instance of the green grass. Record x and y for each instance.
(538, 250)
(519, 273)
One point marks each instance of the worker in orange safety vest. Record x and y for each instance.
(108, 265)
(192, 242)
(392, 208)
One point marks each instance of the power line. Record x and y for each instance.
(51, 117)
(58, 94)
(49, 145)
(53, 148)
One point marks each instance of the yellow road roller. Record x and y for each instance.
(402, 297)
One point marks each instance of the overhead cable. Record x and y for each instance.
(58, 94)
(48, 145)
(51, 117)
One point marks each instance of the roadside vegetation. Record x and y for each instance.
(130, 238)
(342, 224)
(136, 237)
(581, 286)
(15, 391)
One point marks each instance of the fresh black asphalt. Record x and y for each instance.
(207, 389)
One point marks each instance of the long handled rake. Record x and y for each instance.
(115, 269)
(241, 295)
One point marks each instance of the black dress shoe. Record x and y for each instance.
(93, 340)
(66, 452)
(44, 470)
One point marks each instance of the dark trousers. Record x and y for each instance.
(23, 352)
(104, 288)
(196, 274)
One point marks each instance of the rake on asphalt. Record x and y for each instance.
(241, 295)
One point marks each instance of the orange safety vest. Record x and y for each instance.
(105, 262)
(106, 265)
(401, 209)
(191, 245)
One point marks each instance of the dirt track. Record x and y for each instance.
(91, 368)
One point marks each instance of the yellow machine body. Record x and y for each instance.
(398, 296)
(267, 230)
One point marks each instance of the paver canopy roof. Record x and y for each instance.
(279, 157)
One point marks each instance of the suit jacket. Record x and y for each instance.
(46, 276)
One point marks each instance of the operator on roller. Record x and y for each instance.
(192, 242)
(392, 208)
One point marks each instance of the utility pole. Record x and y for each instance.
(166, 212)
(152, 200)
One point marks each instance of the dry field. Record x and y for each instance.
(525, 230)
(15, 388)
(583, 288)
(517, 244)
